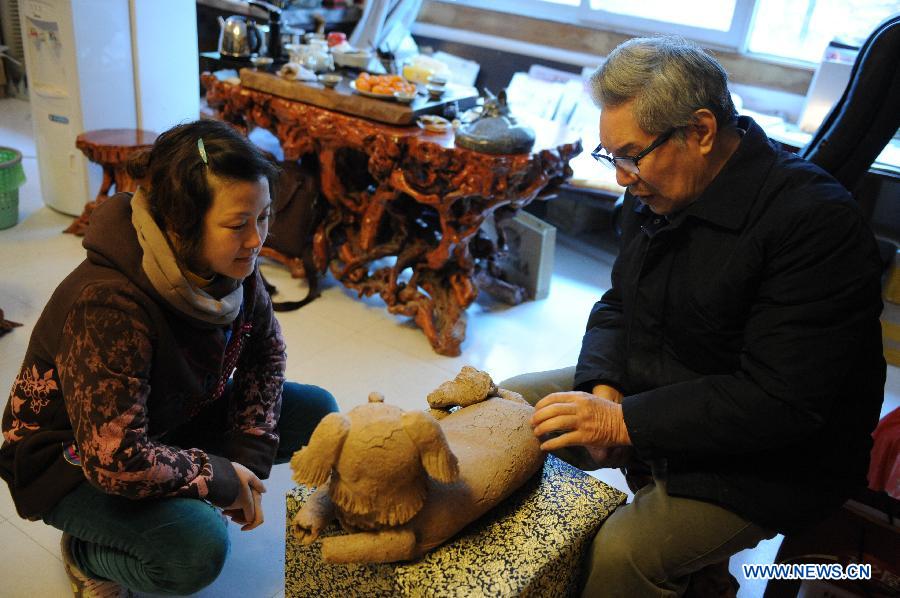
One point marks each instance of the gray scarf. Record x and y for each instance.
(165, 274)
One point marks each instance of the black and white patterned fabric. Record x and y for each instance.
(532, 544)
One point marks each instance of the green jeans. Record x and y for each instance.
(651, 546)
(172, 545)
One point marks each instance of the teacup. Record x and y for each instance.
(437, 80)
(404, 98)
(330, 80)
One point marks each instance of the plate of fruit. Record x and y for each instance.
(383, 87)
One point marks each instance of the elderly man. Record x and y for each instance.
(736, 362)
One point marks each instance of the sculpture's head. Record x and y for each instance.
(377, 458)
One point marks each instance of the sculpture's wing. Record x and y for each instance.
(437, 458)
(312, 464)
(511, 395)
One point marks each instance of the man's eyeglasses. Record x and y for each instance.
(629, 163)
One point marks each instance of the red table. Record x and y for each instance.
(403, 193)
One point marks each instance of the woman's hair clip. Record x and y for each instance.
(202, 149)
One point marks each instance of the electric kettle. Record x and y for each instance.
(238, 38)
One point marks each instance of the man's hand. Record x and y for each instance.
(605, 391)
(583, 419)
(612, 457)
(247, 507)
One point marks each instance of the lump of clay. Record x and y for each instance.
(469, 387)
(402, 483)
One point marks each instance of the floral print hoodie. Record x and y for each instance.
(116, 366)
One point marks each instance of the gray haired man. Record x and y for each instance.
(735, 365)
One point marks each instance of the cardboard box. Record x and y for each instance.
(529, 259)
(534, 544)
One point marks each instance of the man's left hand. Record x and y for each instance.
(583, 419)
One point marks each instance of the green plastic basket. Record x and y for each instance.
(12, 176)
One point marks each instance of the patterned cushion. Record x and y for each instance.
(533, 544)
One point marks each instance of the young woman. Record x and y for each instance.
(152, 396)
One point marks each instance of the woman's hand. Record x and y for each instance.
(247, 507)
(582, 419)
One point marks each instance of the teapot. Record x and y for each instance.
(239, 38)
(315, 57)
(496, 131)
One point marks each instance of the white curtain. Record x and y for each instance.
(385, 25)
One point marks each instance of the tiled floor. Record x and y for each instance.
(347, 345)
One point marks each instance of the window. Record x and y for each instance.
(801, 29)
(717, 15)
(721, 24)
(787, 29)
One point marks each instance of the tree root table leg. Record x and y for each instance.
(397, 193)
(293, 264)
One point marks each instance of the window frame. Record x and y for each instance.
(735, 39)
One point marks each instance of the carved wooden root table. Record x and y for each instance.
(400, 192)
(111, 149)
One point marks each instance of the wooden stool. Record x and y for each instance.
(534, 543)
(6, 325)
(111, 149)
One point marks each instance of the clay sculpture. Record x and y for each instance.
(401, 483)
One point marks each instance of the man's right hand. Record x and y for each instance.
(605, 391)
(610, 457)
(247, 507)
